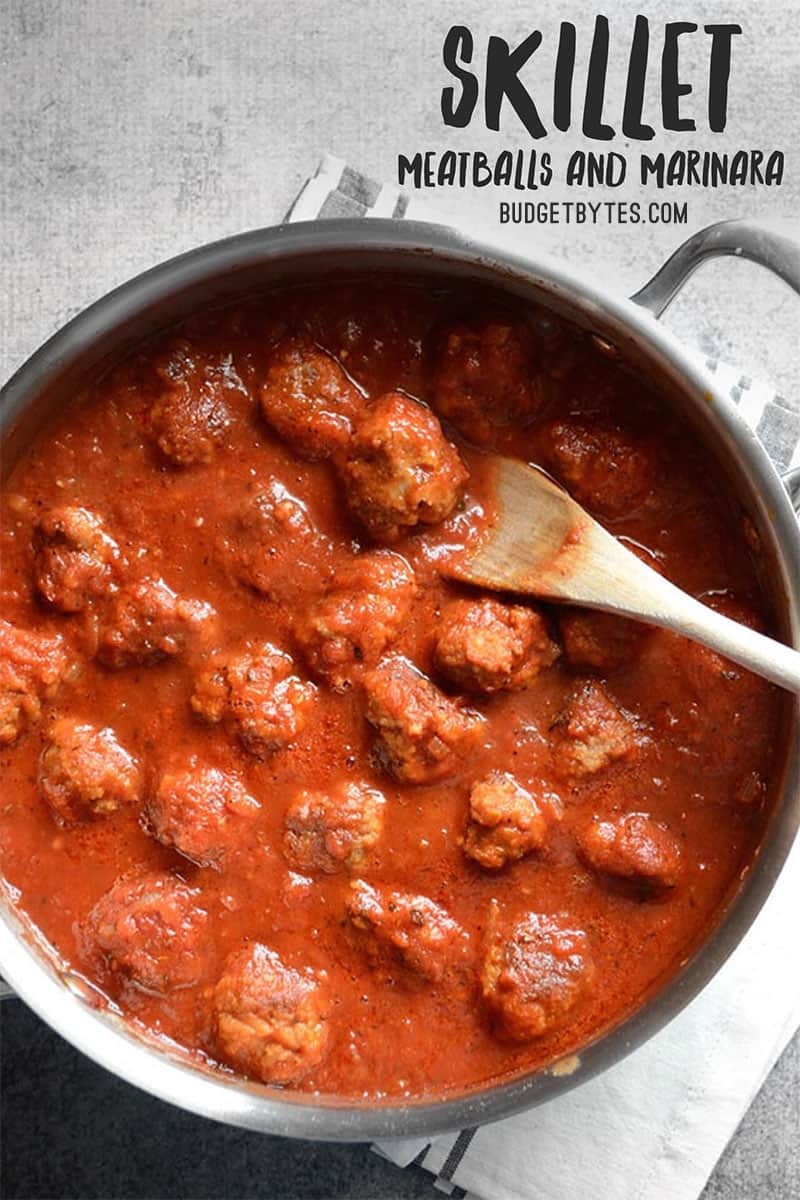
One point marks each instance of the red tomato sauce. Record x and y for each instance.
(635, 766)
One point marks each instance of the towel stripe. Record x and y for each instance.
(457, 1152)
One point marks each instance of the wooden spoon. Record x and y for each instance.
(542, 543)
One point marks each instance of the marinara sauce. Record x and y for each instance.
(284, 792)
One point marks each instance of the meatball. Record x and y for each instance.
(400, 470)
(421, 732)
(276, 548)
(633, 847)
(505, 821)
(85, 772)
(150, 929)
(201, 813)
(599, 641)
(363, 611)
(591, 733)
(75, 559)
(31, 667)
(149, 622)
(486, 646)
(256, 696)
(269, 1019)
(533, 979)
(309, 400)
(485, 378)
(610, 471)
(334, 830)
(191, 416)
(602, 641)
(722, 696)
(396, 929)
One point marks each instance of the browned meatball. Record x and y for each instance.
(257, 697)
(721, 695)
(75, 559)
(275, 545)
(308, 399)
(191, 416)
(149, 928)
(396, 929)
(201, 813)
(599, 641)
(149, 622)
(506, 822)
(591, 733)
(400, 470)
(363, 611)
(633, 847)
(486, 646)
(31, 667)
(421, 732)
(270, 1020)
(85, 772)
(610, 471)
(533, 978)
(485, 377)
(334, 830)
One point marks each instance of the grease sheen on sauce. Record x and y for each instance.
(387, 1039)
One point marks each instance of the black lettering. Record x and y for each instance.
(671, 87)
(562, 84)
(463, 168)
(773, 173)
(616, 169)
(593, 126)
(409, 166)
(459, 42)
(576, 167)
(652, 167)
(481, 169)
(739, 165)
(595, 169)
(446, 175)
(632, 125)
(503, 169)
(502, 68)
(719, 73)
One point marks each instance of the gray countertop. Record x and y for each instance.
(134, 130)
(71, 1131)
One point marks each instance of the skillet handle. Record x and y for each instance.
(791, 481)
(760, 242)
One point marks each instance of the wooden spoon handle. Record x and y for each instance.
(759, 653)
(541, 543)
(643, 593)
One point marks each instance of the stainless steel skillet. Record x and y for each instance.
(265, 258)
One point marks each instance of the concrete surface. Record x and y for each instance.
(131, 130)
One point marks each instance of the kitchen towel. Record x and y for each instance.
(652, 1127)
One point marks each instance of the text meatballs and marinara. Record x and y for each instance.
(288, 795)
